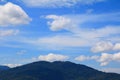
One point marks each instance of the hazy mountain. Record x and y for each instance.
(56, 71)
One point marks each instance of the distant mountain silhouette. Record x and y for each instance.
(57, 70)
(4, 68)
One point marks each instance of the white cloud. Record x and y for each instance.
(82, 58)
(62, 41)
(70, 40)
(104, 59)
(11, 14)
(102, 46)
(12, 65)
(58, 23)
(10, 32)
(117, 46)
(74, 23)
(77, 35)
(58, 3)
(53, 57)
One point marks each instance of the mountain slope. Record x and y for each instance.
(3, 68)
(56, 71)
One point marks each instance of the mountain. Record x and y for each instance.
(56, 71)
(4, 68)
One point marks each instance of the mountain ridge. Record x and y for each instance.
(4, 68)
(57, 70)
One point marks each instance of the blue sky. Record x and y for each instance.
(82, 31)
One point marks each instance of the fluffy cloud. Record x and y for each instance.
(80, 36)
(76, 34)
(11, 14)
(58, 3)
(117, 46)
(102, 46)
(74, 23)
(105, 46)
(58, 23)
(12, 65)
(10, 32)
(104, 59)
(53, 57)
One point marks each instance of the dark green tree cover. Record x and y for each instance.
(56, 71)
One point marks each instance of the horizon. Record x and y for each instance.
(59, 62)
(81, 31)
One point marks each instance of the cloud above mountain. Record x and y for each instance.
(53, 57)
(104, 59)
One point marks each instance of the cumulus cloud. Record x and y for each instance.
(10, 32)
(12, 65)
(102, 46)
(57, 3)
(52, 57)
(12, 14)
(104, 59)
(116, 46)
(74, 23)
(58, 23)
